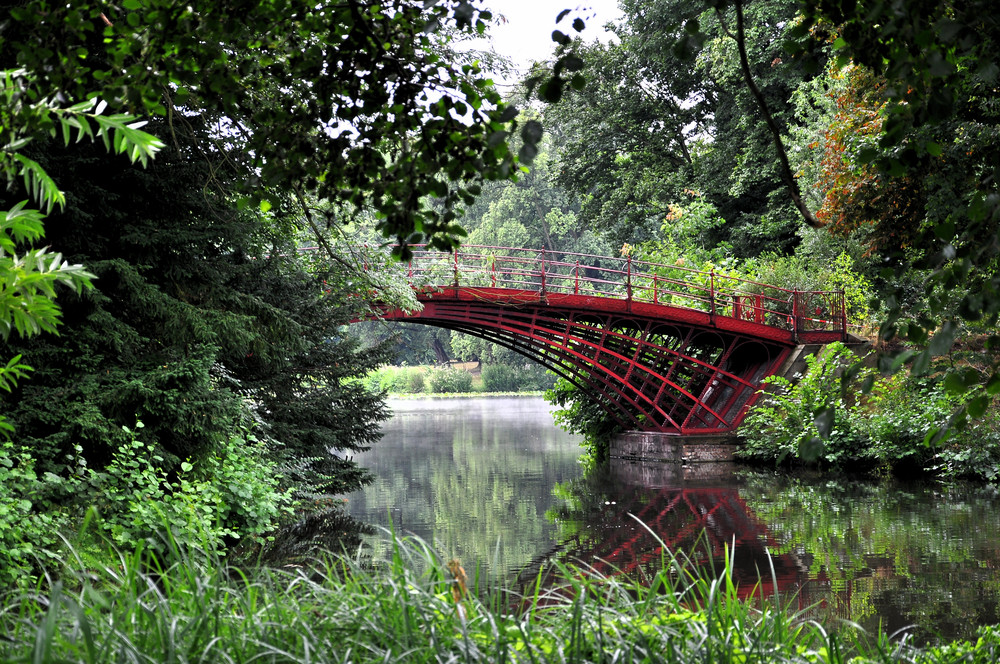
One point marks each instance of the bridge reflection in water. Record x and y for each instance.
(637, 536)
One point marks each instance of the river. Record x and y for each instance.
(494, 483)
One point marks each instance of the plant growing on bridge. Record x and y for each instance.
(808, 419)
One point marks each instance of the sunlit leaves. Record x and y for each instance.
(38, 183)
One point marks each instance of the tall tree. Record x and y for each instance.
(670, 111)
(348, 101)
(199, 310)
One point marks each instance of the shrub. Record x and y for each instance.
(415, 381)
(787, 420)
(230, 492)
(28, 526)
(501, 378)
(397, 380)
(888, 427)
(450, 380)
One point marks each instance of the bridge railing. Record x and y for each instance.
(622, 277)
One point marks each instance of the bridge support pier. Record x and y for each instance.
(673, 448)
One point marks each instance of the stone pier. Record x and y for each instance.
(672, 448)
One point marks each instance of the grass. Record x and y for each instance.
(413, 608)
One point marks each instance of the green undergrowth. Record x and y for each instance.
(470, 378)
(133, 607)
(898, 423)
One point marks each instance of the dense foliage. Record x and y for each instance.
(713, 130)
(207, 371)
(886, 427)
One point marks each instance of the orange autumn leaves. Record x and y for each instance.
(859, 195)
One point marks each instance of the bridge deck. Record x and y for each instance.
(660, 347)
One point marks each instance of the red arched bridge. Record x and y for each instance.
(660, 347)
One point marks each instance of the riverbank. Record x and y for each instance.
(129, 607)
(471, 378)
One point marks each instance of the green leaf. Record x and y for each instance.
(921, 364)
(38, 183)
(811, 449)
(824, 421)
(941, 342)
(954, 384)
(977, 406)
(186, 467)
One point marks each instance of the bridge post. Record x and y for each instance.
(795, 316)
(843, 313)
(543, 273)
(711, 296)
(456, 268)
(628, 282)
(576, 282)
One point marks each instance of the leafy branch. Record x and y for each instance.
(28, 279)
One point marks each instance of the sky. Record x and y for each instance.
(526, 36)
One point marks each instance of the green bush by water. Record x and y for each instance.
(494, 378)
(451, 380)
(889, 425)
(132, 608)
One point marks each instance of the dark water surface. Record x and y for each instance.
(496, 484)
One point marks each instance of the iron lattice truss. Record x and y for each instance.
(661, 348)
(650, 373)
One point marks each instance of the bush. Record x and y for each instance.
(501, 378)
(889, 427)
(415, 382)
(230, 492)
(450, 380)
(396, 380)
(786, 420)
(28, 525)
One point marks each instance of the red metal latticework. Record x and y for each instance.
(702, 525)
(661, 348)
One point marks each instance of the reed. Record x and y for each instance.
(197, 608)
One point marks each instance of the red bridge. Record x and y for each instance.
(660, 347)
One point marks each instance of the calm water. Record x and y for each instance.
(496, 484)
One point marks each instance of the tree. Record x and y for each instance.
(28, 281)
(669, 112)
(933, 158)
(279, 118)
(203, 316)
(345, 102)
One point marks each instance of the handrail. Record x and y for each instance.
(549, 272)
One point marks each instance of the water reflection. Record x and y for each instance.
(473, 477)
(495, 483)
(614, 526)
(914, 558)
